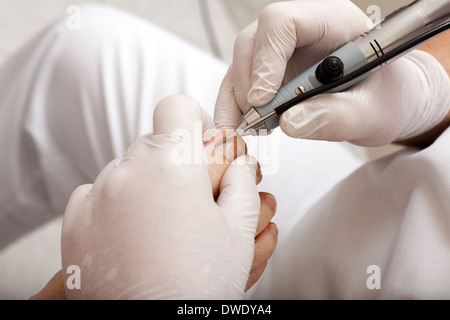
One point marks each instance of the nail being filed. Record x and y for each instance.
(231, 136)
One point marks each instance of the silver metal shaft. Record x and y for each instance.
(252, 120)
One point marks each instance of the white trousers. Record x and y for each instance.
(72, 100)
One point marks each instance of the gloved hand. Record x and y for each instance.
(149, 227)
(399, 102)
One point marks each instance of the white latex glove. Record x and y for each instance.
(401, 101)
(149, 228)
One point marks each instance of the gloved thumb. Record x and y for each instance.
(239, 197)
(181, 115)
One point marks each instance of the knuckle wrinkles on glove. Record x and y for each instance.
(243, 41)
(273, 14)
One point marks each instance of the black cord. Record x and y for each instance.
(366, 68)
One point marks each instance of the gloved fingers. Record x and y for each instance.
(265, 244)
(326, 117)
(243, 54)
(182, 116)
(429, 83)
(267, 211)
(275, 42)
(360, 115)
(285, 26)
(341, 117)
(180, 127)
(393, 103)
(227, 113)
(239, 198)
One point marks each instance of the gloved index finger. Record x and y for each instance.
(227, 113)
(315, 26)
(244, 49)
(275, 42)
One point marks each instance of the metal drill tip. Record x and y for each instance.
(231, 136)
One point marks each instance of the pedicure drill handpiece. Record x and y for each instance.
(401, 32)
